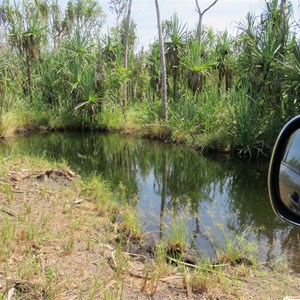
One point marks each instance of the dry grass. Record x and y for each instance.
(58, 241)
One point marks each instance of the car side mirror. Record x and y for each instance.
(284, 173)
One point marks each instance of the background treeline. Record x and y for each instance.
(59, 70)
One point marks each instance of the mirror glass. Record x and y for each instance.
(289, 177)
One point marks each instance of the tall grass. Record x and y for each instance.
(244, 127)
(99, 190)
(7, 231)
(234, 247)
(176, 235)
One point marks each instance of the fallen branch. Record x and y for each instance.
(68, 174)
(137, 255)
(195, 267)
(7, 212)
(18, 192)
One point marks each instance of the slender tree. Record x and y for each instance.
(126, 46)
(282, 39)
(163, 72)
(201, 14)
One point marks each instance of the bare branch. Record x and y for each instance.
(200, 13)
(198, 10)
(205, 10)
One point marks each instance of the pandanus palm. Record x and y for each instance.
(26, 25)
(154, 68)
(291, 70)
(6, 74)
(264, 43)
(176, 36)
(259, 49)
(225, 61)
(91, 101)
(196, 65)
(246, 41)
(277, 16)
(80, 62)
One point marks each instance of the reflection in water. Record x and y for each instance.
(172, 178)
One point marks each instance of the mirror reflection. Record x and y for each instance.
(289, 178)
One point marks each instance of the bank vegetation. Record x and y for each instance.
(58, 70)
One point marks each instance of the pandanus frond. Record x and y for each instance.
(292, 70)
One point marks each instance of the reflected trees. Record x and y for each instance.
(173, 179)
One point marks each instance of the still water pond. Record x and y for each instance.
(213, 195)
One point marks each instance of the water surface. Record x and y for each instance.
(212, 194)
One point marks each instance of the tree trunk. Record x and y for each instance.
(282, 47)
(126, 47)
(200, 13)
(28, 70)
(163, 72)
(175, 83)
(199, 31)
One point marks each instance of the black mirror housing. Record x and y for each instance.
(286, 204)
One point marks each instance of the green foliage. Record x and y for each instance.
(292, 76)
(7, 232)
(176, 235)
(237, 248)
(227, 93)
(245, 130)
(234, 247)
(98, 190)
